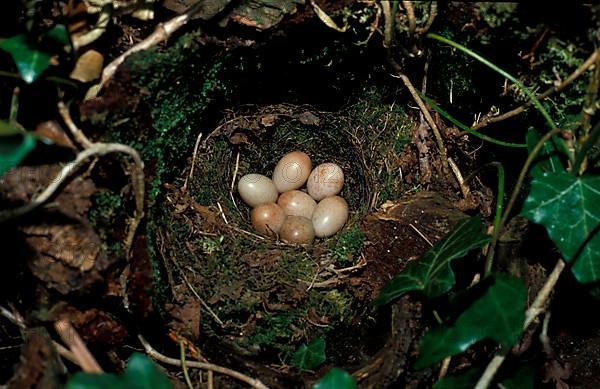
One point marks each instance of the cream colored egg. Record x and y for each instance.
(267, 218)
(291, 171)
(297, 229)
(325, 180)
(296, 203)
(257, 189)
(330, 216)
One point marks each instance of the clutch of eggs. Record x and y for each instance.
(281, 207)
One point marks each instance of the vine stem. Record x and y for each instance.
(513, 197)
(536, 308)
(253, 382)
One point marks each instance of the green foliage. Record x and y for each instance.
(311, 356)
(336, 379)
(31, 58)
(432, 273)
(13, 148)
(548, 160)
(569, 208)
(498, 315)
(348, 244)
(465, 380)
(523, 378)
(496, 14)
(141, 373)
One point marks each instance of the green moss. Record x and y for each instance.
(347, 244)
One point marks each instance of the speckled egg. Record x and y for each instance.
(291, 171)
(325, 180)
(329, 216)
(297, 203)
(267, 218)
(297, 229)
(257, 189)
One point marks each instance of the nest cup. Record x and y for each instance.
(262, 292)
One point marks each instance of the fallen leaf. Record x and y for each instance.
(88, 67)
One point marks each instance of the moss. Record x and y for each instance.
(347, 244)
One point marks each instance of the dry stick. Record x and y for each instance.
(412, 20)
(17, 320)
(464, 188)
(194, 154)
(97, 31)
(387, 43)
(536, 308)
(72, 339)
(77, 133)
(161, 33)
(253, 382)
(578, 72)
(67, 170)
(432, 15)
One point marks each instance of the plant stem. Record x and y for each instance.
(513, 197)
(489, 260)
(536, 103)
(536, 308)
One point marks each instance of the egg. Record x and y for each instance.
(257, 189)
(297, 203)
(325, 180)
(329, 216)
(297, 229)
(291, 171)
(267, 218)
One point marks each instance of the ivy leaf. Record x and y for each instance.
(432, 273)
(141, 373)
(548, 160)
(13, 148)
(466, 380)
(30, 61)
(523, 378)
(311, 356)
(336, 379)
(569, 208)
(498, 315)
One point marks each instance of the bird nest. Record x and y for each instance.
(261, 298)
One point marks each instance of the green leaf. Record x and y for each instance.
(13, 149)
(311, 356)
(498, 315)
(30, 61)
(569, 208)
(59, 35)
(336, 379)
(432, 273)
(466, 380)
(141, 373)
(548, 160)
(8, 129)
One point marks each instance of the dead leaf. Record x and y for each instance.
(308, 118)
(52, 131)
(88, 67)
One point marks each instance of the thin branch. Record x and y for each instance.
(412, 20)
(96, 31)
(253, 382)
(534, 310)
(161, 33)
(514, 112)
(433, 8)
(387, 43)
(75, 131)
(71, 338)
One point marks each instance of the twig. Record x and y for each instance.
(432, 15)
(183, 364)
(421, 234)
(444, 368)
(253, 382)
(77, 133)
(464, 188)
(412, 20)
(71, 338)
(96, 31)
(514, 112)
(161, 33)
(387, 43)
(194, 155)
(536, 308)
